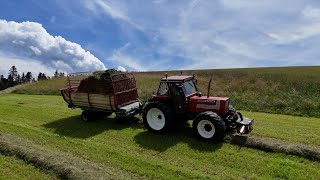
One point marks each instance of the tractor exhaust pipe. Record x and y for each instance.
(209, 88)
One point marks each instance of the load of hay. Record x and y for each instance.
(100, 82)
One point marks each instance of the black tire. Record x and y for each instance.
(107, 113)
(157, 117)
(100, 114)
(209, 127)
(87, 116)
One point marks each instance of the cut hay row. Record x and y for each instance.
(272, 145)
(63, 165)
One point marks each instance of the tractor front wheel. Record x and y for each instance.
(209, 127)
(157, 117)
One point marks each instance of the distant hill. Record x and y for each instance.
(282, 90)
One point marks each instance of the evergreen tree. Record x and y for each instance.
(23, 78)
(39, 76)
(43, 77)
(13, 74)
(10, 81)
(56, 74)
(3, 82)
(18, 79)
(28, 77)
(61, 74)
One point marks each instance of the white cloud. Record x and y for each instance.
(122, 69)
(96, 5)
(120, 56)
(112, 9)
(311, 12)
(30, 41)
(288, 36)
(36, 51)
(23, 65)
(126, 60)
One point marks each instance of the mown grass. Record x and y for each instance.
(12, 168)
(46, 121)
(281, 90)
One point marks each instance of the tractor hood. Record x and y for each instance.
(218, 105)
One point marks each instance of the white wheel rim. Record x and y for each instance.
(206, 129)
(156, 119)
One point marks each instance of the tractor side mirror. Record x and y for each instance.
(195, 80)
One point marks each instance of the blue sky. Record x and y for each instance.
(71, 36)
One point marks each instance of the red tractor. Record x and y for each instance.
(179, 98)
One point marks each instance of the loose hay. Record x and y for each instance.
(100, 82)
(272, 145)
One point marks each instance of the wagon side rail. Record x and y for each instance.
(74, 79)
(125, 90)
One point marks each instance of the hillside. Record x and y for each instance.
(281, 90)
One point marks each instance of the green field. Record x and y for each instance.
(281, 90)
(12, 168)
(126, 150)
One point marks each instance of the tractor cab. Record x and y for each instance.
(182, 94)
(175, 91)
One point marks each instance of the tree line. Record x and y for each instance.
(14, 78)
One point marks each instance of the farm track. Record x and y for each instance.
(63, 165)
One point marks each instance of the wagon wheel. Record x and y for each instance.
(87, 116)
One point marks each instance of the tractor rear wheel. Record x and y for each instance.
(157, 117)
(209, 127)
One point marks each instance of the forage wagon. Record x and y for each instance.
(102, 93)
(177, 98)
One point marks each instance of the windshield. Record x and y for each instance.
(189, 87)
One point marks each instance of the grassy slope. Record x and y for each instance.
(50, 87)
(11, 168)
(283, 90)
(47, 121)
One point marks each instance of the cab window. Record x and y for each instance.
(189, 87)
(163, 89)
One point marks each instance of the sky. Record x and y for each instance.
(151, 35)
